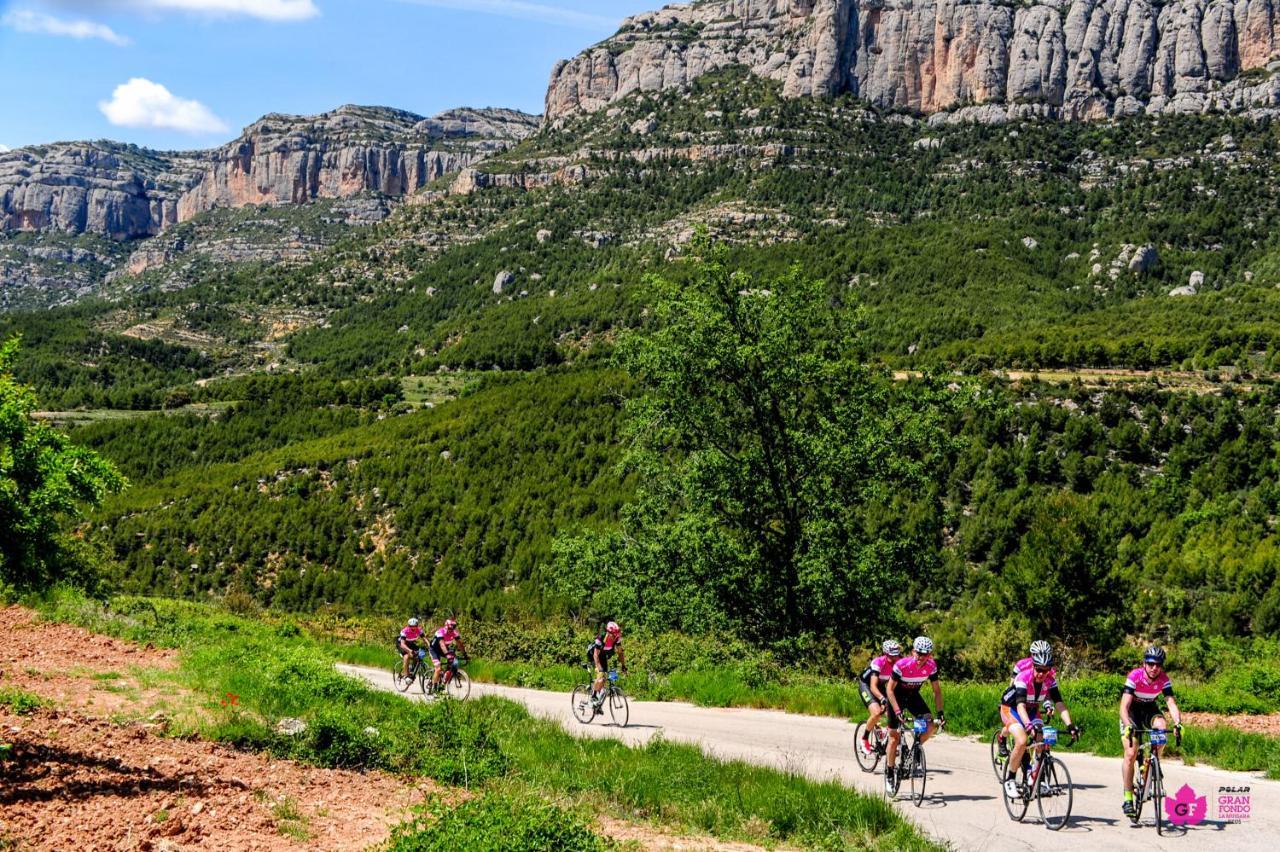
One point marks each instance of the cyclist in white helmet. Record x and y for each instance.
(909, 674)
(599, 652)
(407, 642)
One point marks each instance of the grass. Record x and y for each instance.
(491, 746)
(290, 821)
(20, 701)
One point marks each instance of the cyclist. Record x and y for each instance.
(441, 647)
(1138, 711)
(407, 642)
(871, 686)
(908, 675)
(599, 652)
(1039, 646)
(1020, 709)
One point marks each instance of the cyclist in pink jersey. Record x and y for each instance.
(442, 648)
(871, 684)
(1038, 648)
(1139, 711)
(407, 642)
(908, 676)
(1020, 710)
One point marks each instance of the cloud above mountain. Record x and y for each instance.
(29, 21)
(267, 10)
(142, 103)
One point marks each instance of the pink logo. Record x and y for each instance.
(1186, 808)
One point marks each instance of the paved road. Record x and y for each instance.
(962, 809)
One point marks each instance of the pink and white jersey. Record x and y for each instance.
(912, 672)
(1036, 692)
(1026, 665)
(1144, 688)
(881, 667)
(447, 635)
(409, 634)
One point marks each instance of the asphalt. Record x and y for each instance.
(962, 808)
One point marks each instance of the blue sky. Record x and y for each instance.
(180, 74)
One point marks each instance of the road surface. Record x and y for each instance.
(963, 808)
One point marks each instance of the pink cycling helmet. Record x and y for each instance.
(450, 624)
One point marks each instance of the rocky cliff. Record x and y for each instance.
(124, 192)
(1077, 59)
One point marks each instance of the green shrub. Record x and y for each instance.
(497, 822)
(20, 701)
(332, 739)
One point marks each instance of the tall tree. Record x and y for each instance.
(787, 485)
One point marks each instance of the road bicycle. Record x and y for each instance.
(1045, 779)
(455, 683)
(869, 760)
(1148, 782)
(999, 758)
(911, 762)
(417, 667)
(585, 708)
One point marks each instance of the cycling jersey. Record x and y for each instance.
(446, 635)
(881, 667)
(911, 673)
(1144, 688)
(410, 634)
(607, 644)
(1025, 690)
(1025, 665)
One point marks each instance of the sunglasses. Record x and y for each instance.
(1040, 669)
(1150, 663)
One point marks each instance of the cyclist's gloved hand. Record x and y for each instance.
(1074, 731)
(1127, 732)
(942, 718)
(1177, 733)
(1037, 723)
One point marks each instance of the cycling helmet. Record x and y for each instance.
(612, 627)
(413, 622)
(1041, 653)
(922, 645)
(892, 647)
(1154, 654)
(450, 624)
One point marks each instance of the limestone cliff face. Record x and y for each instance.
(125, 192)
(1076, 59)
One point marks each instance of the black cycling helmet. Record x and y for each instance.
(1154, 654)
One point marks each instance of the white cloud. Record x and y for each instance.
(524, 11)
(270, 10)
(4, 149)
(27, 21)
(267, 10)
(142, 103)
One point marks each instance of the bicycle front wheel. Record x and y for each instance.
(919, 774)
(867, 760)
(1053, 794)
(619, 710)
(1017, 807)
(998, 760)
(399, 680)
(459, 686)
(583, 710)
(1155, 792)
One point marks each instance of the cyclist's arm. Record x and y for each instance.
(1055, 695)
(1126, 701)
(1173, 710)
(462, 646)
(893, 695)
(875, 688)
(937, 695)
(595, 658)
(622, 658)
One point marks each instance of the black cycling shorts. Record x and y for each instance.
(868, 698)
(412, 646)
(912, 702)
(1143, 713)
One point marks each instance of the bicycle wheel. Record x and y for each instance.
(867, 760)
(399, 680)
(998, 761)
(424, 681)
(619, 710)
(1155, 792)
(1017, 808)
(919, 774)
(583, 710)
(1053, 794)
(459, 686)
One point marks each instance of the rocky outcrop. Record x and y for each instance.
(118, 191)
(284, 159)
(125, 192)
(1077, 59)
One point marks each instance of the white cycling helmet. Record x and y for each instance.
(612, 627)
(413, 622)
(1041, 653)
(892, 647)
(922, 645)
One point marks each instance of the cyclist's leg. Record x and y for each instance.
(1157, 722)
(1018, 740)
(1126, 767)
(895, 735)
(916, 706)
(405, 654)
(434, 651)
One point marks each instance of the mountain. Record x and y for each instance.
(989, 60)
